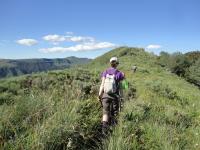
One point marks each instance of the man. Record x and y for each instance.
(110, 92)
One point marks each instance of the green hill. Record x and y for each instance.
(11, 67)
(59, 109)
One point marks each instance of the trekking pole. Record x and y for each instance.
(99, 98)
(120, 103)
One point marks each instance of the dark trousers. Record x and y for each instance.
(110, 108)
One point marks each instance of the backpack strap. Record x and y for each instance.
(115, 73)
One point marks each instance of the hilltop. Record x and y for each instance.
(59, 109)
(15, 67)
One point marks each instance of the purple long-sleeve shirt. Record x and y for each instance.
(119, 76)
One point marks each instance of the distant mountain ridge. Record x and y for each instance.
(15, 67)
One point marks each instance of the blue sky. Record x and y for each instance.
(89, 28)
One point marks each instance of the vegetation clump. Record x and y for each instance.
(184, 65)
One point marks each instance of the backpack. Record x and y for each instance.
(110, 84)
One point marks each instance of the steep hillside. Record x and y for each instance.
(59, 109)
(10, 67)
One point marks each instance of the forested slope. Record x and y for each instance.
(9, 67)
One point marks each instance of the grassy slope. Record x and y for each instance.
(59, 109)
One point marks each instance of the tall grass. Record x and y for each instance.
(59, 109)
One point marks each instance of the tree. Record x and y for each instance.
(193, 73)
(163, 59)
(179, 63)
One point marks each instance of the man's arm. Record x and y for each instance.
(101, 87)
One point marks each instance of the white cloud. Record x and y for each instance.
(153, 46)
(80, 39)
(84, 43)
(79, 47)
(55, 39)
(69, 33)
(27, 42)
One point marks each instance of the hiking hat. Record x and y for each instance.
(114, 59)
